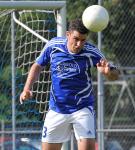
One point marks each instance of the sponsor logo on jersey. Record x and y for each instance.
(67, 69)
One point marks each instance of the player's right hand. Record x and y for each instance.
(25, 95)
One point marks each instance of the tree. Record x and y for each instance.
(120, 34)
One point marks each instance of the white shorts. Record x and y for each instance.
(58, 127)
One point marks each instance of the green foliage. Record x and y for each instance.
(120, 33)
(5, 106)
(6, 73)
(76, 8)
(118, 46)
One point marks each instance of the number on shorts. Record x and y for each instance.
(44, 132)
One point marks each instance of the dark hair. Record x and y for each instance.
(78, 26)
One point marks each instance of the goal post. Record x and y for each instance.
(25, 28)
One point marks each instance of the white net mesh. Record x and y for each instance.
(28, 47)
(32, 30)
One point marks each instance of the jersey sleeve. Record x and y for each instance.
(44, 57)
(96, 56)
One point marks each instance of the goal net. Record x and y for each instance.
(28, 48)
(23, 34)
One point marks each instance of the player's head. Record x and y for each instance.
(76, 35)
(77, 25)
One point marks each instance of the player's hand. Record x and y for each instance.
(103, 66)
(25, 95)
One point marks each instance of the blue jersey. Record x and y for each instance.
(71, 87)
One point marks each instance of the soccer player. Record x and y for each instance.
(71, 97)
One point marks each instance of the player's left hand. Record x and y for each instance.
(103, 66)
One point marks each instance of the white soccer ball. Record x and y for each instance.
(95, 18)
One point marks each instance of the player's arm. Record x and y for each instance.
(32, 77)
(111, 73)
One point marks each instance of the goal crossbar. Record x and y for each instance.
(32, 4)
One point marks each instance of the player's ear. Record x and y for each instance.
(67, 33)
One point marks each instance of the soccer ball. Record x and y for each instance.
(95, 18)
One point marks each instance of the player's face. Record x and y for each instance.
(75, 41)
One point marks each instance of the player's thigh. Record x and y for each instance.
(51, 146)
(56, 128)
(84, 124)
(86, 144)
